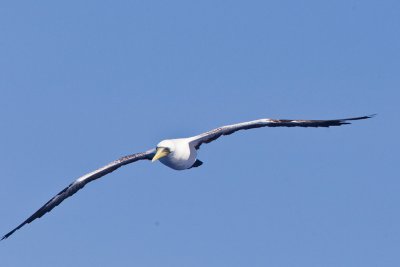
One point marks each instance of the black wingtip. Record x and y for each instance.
(359, 118)
(367, 117)
(4, 237)
(13, 231)
(7, 235)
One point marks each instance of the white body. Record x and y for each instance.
(183, 155)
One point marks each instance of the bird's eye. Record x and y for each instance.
(165, 148)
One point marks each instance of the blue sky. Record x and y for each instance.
(83, 83)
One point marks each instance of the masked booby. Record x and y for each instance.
(178, 154)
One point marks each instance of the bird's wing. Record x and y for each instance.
(80, 183)
(210, 136)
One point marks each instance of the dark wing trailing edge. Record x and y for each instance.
(80, 183)
(210, 136)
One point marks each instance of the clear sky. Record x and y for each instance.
(85, 82)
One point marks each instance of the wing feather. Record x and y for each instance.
(80, 183)
(212, 135)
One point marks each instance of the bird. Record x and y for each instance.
(178, 154)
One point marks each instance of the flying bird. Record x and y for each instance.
(178, 154)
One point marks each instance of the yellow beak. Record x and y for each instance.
(161, 152)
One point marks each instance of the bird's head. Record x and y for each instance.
(163, 149)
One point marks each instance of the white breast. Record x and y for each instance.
(182, 157)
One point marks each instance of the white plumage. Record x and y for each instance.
(178, 154)
(182, 154)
